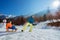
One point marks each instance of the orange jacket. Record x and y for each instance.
(8, 25)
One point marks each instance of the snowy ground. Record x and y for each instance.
(40, 32)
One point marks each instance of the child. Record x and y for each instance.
(4, 22)
(10, 26)
(29, 22)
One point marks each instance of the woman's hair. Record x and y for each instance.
(8, 21)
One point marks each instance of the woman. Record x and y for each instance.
(29, 22)
(10, 26)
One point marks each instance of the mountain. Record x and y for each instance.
(41, 13)
(10, 16)
(2, 16)
(47, 11)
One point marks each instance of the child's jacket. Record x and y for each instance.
(30, 20)
(8, 25)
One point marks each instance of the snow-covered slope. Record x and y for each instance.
(40, 32)
(37, 34)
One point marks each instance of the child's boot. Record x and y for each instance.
(22, 30)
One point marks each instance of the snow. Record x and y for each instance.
(40, 32)
(37, 34)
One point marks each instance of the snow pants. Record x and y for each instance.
(13, 28)
(26, 25)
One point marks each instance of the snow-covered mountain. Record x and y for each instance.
(2, 16)
(11, 16)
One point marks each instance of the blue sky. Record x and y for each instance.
(23, 7)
